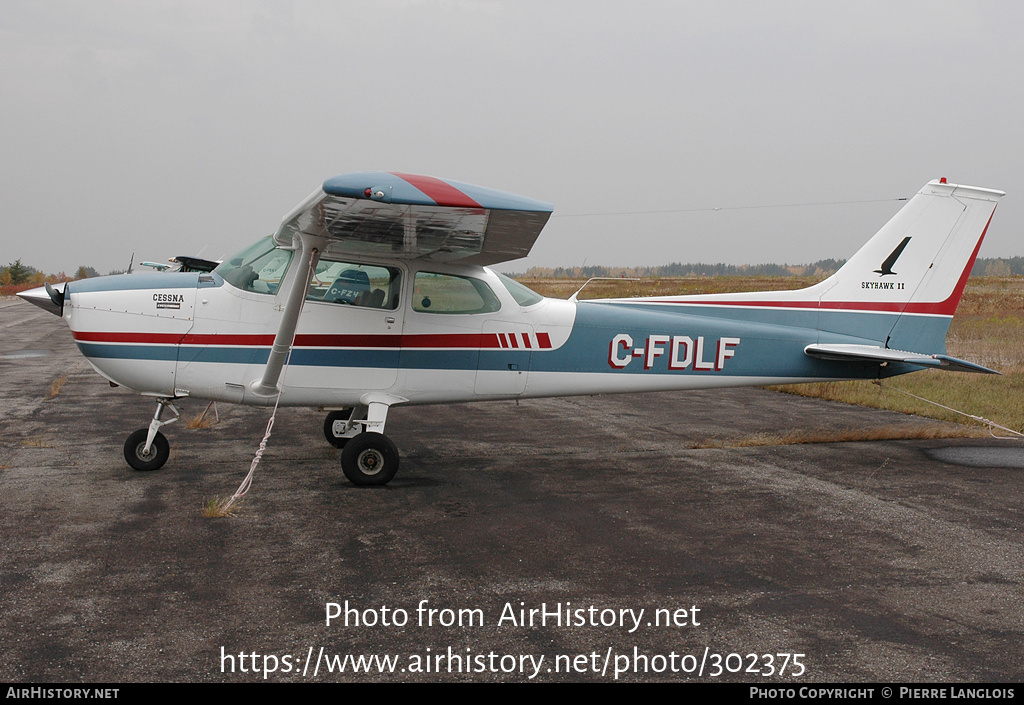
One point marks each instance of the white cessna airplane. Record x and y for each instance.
(375, 292)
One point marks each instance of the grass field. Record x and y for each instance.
(988, 329)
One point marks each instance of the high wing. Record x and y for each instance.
(410, 216)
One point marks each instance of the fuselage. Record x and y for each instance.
(201, 335)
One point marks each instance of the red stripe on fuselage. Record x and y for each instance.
(153, 338)
(441, 192)
(445, 340)
(450, 340)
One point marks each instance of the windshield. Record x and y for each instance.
(523, 295)
(259, 268)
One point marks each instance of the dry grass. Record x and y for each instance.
(217, 507)
(995, 398)
(200, 421)
(56, 386)
(205, 419)
(989, 324)
(848, 435)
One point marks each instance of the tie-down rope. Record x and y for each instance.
(247, 482)
(990, 423)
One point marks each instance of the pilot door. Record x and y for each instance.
(350, 331)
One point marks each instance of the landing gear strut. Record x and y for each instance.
(147, 449)
(335, 426)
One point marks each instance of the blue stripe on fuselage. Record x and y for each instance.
(128, 352)
(312, 357)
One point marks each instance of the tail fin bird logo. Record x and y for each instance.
(891, 259)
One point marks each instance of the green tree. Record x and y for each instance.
(19, 273)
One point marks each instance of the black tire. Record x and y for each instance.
(158, 452)
(370, 459)
(342, 415)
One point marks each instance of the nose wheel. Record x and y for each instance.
(147, 449)
(139, 457)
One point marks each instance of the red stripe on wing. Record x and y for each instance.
(441, 192)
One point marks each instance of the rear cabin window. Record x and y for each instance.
(446, 293)
(349, 284)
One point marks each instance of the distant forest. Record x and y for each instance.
(983, 266)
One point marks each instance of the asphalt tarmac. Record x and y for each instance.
(518, 542)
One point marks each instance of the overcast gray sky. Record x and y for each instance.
(177, 127)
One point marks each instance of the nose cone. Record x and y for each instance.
(47, 297)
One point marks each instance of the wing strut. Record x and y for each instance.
(267, 386)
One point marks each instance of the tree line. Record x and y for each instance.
(18, 277)
(983, 266)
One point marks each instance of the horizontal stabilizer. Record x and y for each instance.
(872, 353)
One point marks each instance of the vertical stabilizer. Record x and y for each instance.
(915, 267)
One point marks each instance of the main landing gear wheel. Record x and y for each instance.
(154, 459)
(369, 459)
(336, 440)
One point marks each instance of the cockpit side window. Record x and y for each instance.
(446, 293)
(259, 268)
(363, 285)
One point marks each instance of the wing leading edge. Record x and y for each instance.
(410, 216)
